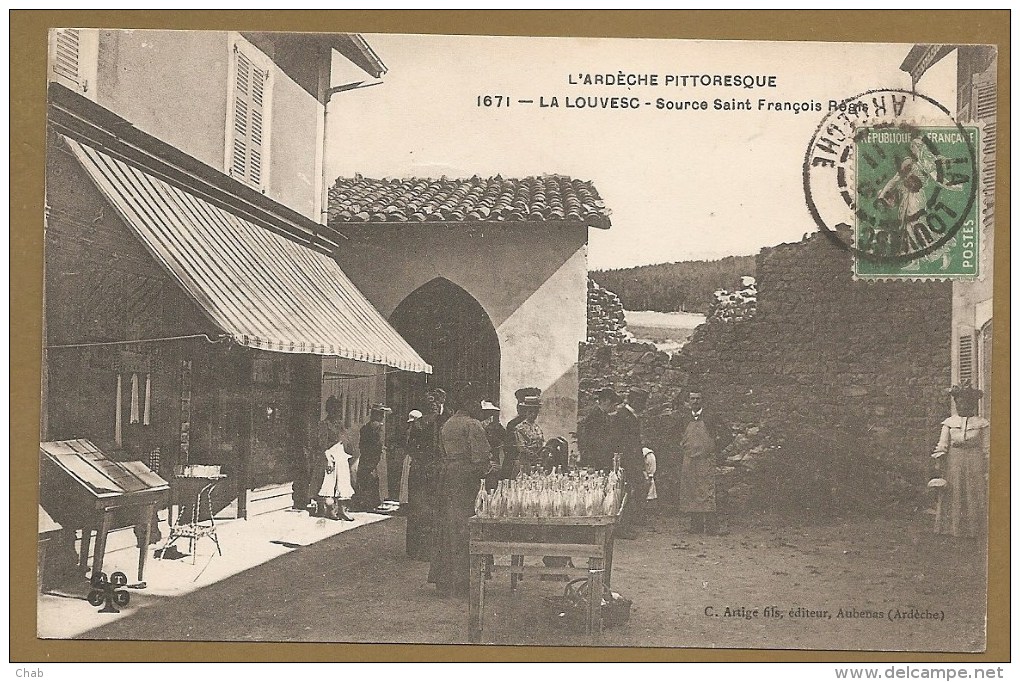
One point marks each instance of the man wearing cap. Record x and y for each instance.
(525, 439)
(594, 433)
(465, 461)
(627, 443)
(371, 446)
(423, 478)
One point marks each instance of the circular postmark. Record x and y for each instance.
(891, 176)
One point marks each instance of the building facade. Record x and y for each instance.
(194, 312)
(976, 102)
(485, 277)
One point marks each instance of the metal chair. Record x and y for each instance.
(196, 528)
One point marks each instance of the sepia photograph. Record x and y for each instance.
(545, 341)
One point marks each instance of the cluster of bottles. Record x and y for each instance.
(555, 494)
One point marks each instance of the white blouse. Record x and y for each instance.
(969, 432)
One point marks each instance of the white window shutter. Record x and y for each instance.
(966, 358)
(255, 138)
(242, 96)
(247, 145)
(67, 58)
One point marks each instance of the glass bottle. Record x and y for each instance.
(480, 499)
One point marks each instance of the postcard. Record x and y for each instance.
(463, 339)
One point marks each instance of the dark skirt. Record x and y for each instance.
(421, 502)
(450, 568)
(366, 491)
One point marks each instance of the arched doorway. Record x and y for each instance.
(453, 333)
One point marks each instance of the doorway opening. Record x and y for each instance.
(453, 333)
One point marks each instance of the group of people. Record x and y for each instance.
(451, 453)
(330, 463)
(613, 427)
(452, 450)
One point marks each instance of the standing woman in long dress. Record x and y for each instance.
(962, 457)
(423, 479)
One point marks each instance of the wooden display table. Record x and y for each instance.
(568, 536)
(80, 487)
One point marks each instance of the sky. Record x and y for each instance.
(681, 185)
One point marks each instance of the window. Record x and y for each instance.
(248, 125)
(73, 61)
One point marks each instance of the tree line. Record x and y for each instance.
(671, 287)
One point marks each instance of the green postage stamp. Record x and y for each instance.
(917, 202)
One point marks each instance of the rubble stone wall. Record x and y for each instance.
(606, 322)
(847, 376)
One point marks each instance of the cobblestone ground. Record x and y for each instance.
(358, 586)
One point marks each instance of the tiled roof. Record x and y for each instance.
(496, 199)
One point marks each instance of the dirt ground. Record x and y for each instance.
(359, 586)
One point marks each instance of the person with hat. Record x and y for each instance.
(701, 438)
(395, 461)
(330, 464)
(496, 435)
(423, 477)
(627, 443)
(594, 433)
(525, 440)
(372, 448)
(961, 457)
(520, 394)
(465, 461)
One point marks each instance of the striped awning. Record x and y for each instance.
(264, 290)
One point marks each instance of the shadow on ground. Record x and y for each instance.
(359, 586)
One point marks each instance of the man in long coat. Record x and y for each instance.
(594, 433)
(626, 425)
(466, 460)
(701, 439)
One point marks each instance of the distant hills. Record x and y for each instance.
(668, 287)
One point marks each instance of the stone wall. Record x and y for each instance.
(840, 382)
(606, 322)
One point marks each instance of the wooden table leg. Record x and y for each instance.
(475, 599)
(150, 512)
(609, 558)
(482, 577)
(83, 552)
(515, 560)
(104, 530)
(595, 590)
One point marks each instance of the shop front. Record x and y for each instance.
(184, 324)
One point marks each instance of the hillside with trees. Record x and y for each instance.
(668, 287)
